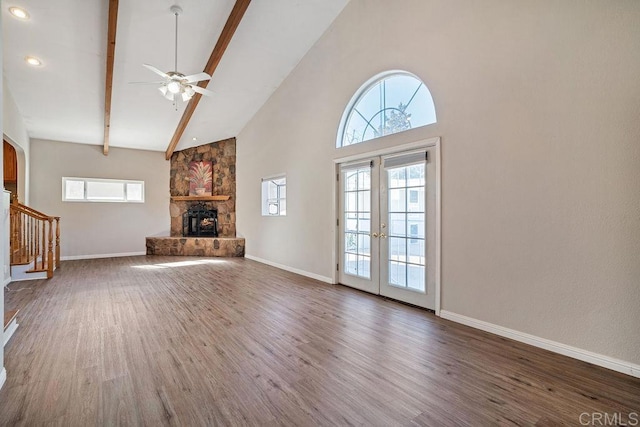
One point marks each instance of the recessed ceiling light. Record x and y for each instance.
(18, 12)
(32, 60)
(194, 138)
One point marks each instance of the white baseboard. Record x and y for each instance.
(94, 256)
(556, 347)
(3, 377)
(7, 281)
(291, 269)
(10, 331)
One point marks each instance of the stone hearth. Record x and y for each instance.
(196, 246)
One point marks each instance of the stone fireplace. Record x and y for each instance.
(183, 239)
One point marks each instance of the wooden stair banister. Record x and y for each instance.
(32, 238)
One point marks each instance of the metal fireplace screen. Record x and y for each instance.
(200, 221)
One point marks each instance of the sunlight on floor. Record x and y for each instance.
(180, 264)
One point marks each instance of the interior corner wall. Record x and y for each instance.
(538, 109)
(3, 237)
(16, 132)
(94, 229)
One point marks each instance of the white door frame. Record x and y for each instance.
(425, 143)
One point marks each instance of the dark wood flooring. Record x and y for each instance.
(193, 341)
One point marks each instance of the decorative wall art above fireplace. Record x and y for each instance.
(200, 178)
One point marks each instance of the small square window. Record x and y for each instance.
(274, 196)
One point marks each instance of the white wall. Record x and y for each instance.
(91, 229)
(15, 132)
(538, 106)
(3, 237)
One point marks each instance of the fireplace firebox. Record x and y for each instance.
(200, 221)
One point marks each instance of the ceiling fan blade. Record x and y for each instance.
(197, 77)
(201, 90)
(155, 70)
(147, 83)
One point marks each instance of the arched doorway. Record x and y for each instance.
(10, 169)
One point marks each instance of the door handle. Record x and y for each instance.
(375, 235)
(383, 236)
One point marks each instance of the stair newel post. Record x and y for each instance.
(57, 242)
(50, 251)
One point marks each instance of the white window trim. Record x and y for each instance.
(265, 200)
(87, 180)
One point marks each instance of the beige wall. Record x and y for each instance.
(90, 229)
(538, 106)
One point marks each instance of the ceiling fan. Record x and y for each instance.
(175, 83)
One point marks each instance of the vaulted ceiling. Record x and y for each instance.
(64, 98)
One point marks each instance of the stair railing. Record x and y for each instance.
(32, 238)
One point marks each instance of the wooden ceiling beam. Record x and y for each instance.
(108, 87)
(239, 8)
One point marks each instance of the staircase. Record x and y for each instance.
(34, 243)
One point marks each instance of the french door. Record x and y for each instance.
(387, 226)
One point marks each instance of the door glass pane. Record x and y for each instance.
(415, 277)
(406, 207)
(364, 244)
(397, 273)
(397, 201)
(416, 251)
(397, 224)
(351, 180)
(351, 263)
(415, 225)
(397, 249)
(357, 221)
(397, 177)
(351, 201)
(364, 179)
(351, 242)
(364, 201)
(364, 223)
(351, 222)
(415, 199)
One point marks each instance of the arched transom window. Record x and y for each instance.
(389, 103)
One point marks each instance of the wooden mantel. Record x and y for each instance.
(203, 198)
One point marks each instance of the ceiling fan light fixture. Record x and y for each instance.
(18, 12)
(176, 83)
(174, 86)
(33, 61)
